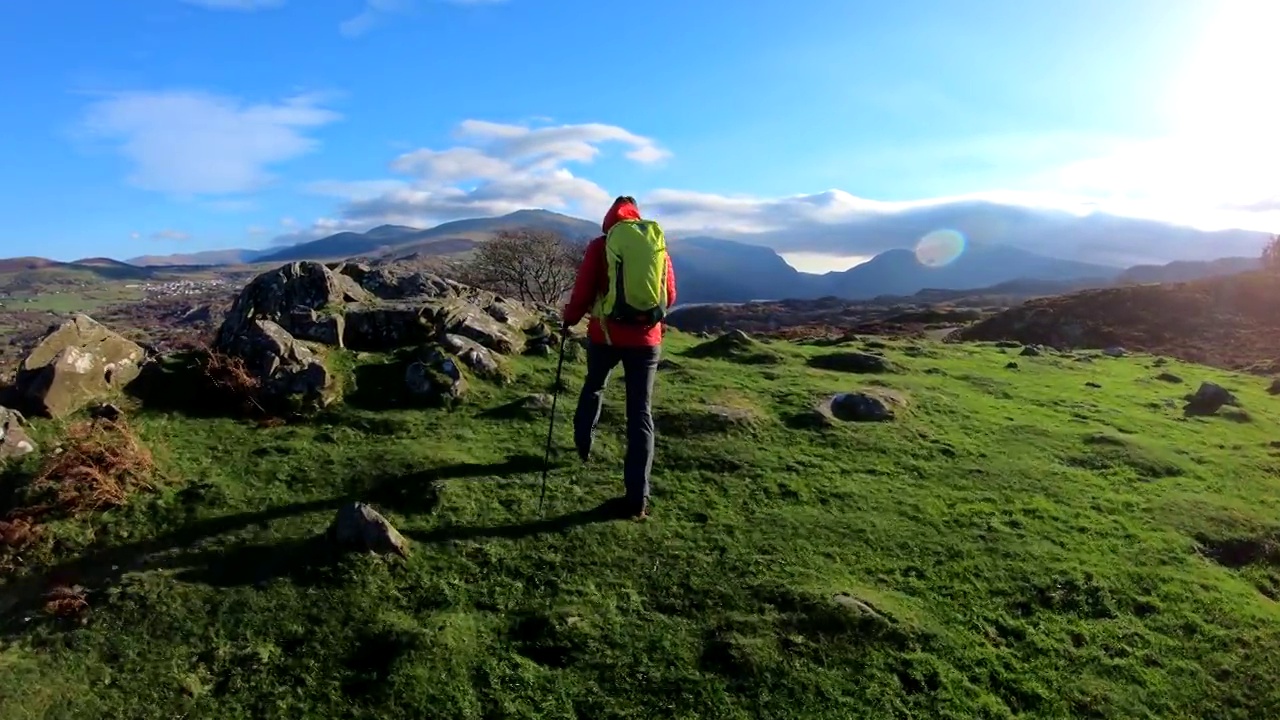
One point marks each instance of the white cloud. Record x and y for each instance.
(192, 143)
(169, 234)
(501, 168)
(375, 12)
(709, 212)
(322, 227)
(241, 5)
(552, 146)
(450, 166)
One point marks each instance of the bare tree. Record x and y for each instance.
(530, 265)
(1271, 254)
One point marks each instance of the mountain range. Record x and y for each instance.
(715, 269)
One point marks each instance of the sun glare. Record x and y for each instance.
(1225, 104)
(1230, 78)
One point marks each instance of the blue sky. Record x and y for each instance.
(160, 126)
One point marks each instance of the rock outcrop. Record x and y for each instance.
(376, 309)
(80, 362)
(303, 298)
(290, 373)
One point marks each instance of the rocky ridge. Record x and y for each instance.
(284, 322)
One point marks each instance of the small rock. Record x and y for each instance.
(1208, 399)
(856, 605)
(1168, 377)
(14, 441)
(360, 528)
(106, 411)
(1092, 384)
(1115, 352)
(1030, 351)
(1011, 365)
(862, 406)
(1160, 362)
(1275, 387)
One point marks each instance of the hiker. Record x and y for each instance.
(626, 284)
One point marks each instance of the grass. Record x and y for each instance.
(1015, 544)
(74, 301)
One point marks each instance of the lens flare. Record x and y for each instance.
(939, 248)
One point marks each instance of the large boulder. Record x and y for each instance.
(290, 373)
(80, 362)
(304, 298)
(389, 325)
(469, 320)
(14, 441)
(474, 356)
(392, 283)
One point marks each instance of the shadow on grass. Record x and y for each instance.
(305, 561)
(197, 384)
(301, 560)
(379, 386)
(608, 510)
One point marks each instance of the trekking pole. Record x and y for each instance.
(555, 395)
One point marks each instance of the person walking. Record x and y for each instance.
(626, 284)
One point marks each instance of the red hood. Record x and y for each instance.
(620, 211)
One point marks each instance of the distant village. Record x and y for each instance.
(173, 288)
(151, 290)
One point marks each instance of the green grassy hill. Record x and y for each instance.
(1051, 541)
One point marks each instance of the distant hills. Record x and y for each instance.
(713, 269)
(1184, 271)
(105, 268)
(1097, 237)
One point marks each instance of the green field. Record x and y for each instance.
(72, 301)
(1017, 543)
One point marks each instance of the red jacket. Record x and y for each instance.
(590, 284)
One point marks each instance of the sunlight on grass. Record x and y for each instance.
(1052, 541)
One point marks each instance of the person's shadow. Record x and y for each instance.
(611, 509)
(194, 551)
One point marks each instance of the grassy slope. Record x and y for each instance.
(1030, 540)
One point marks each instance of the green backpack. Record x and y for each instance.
(636, 256)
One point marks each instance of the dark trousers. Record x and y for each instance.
(640, 368)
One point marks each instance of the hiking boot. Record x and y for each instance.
(640, 510)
